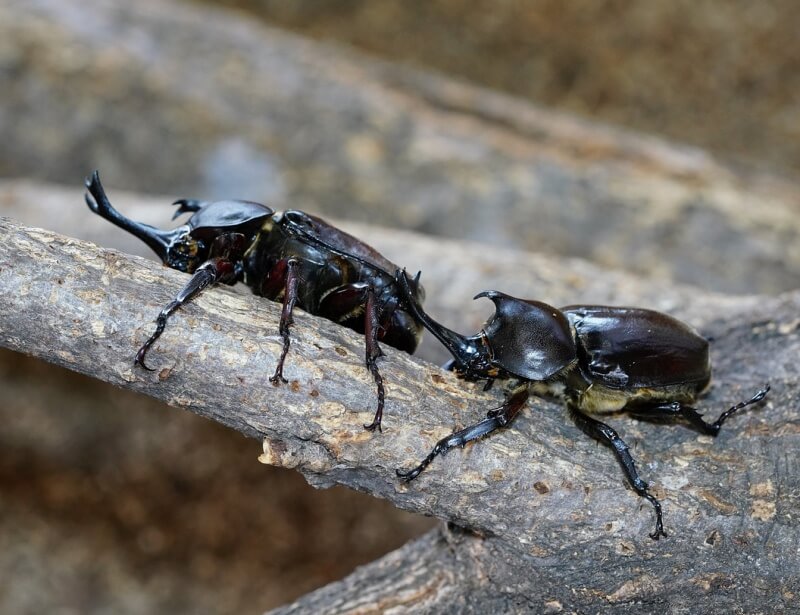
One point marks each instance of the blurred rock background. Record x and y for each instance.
(723, 76)
(109, 502)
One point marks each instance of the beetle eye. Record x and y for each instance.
(186, 253)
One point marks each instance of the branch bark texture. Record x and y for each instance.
(553, 504)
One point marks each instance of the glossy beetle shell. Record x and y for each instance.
(629, 348)
(228, 216)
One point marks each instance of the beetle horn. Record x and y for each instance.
(186, 206)
(461, 347)
(415, 286)
(98, 202)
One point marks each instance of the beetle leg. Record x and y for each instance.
(496, 419)
(676, 408)
(373, 352)
(289, 300)
(209, 273)
(602, 432)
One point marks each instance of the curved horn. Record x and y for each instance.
(461, 347)
(158, 240)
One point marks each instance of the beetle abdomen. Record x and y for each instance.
(631, 348)
(599, 398)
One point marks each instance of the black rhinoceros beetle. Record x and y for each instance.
(598, 358)
(289, 256)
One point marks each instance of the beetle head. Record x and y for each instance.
(529, 339)
(208, 231)
(186, 247)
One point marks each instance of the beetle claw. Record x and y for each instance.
(277, 379)
(139, 360)
(407, 477)
(374, 425)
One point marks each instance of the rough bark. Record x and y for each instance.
(561, 524)
(167, 97)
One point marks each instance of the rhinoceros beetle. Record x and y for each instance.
(598, 358)
(288, 256)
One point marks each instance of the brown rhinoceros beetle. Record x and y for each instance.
(288, 256)
(597, 358)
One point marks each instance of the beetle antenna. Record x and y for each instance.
(158, 240)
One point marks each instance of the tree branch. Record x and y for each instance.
(549, 497)
(419, 577)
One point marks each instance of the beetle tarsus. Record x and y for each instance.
(161, 322)
(278, 377)
(659, 521)
(373, 352)
(376, 421)
(498, 418)
(205, 275)
(716, 425)
(607, 435)
(441, 448)
(692, 415)
(289, 300)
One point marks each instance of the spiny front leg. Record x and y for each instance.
(207, 274)
(604, 433)
(373, 352)
(496, 419)
(291, 284)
